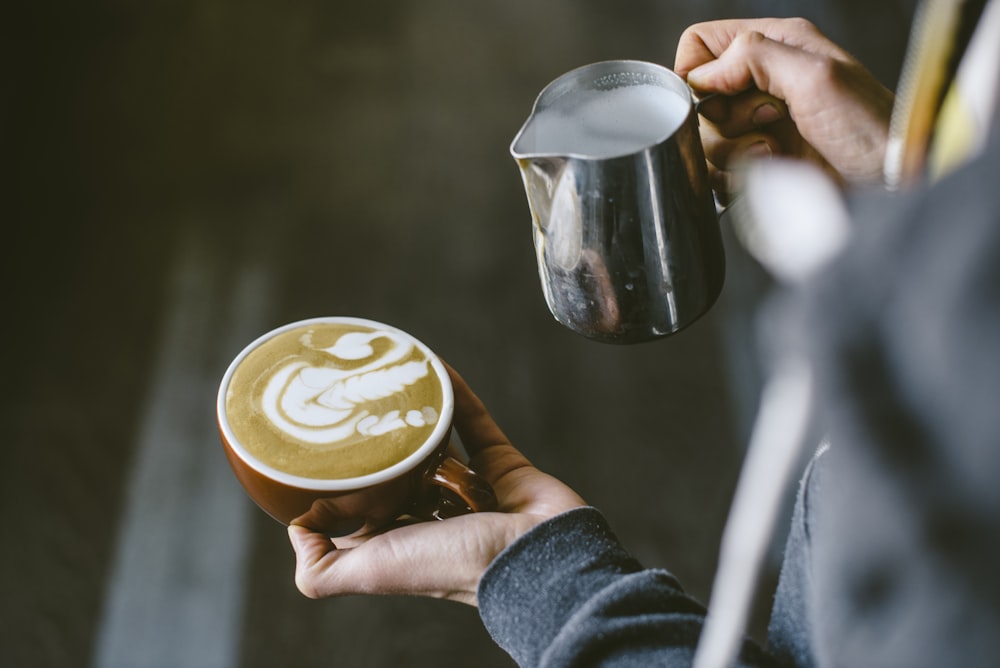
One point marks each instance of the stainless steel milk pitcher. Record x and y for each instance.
(625, 226)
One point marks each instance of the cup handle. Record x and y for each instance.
(464, 491)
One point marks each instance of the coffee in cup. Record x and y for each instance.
(342, 424)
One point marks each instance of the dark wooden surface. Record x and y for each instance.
(183, 176)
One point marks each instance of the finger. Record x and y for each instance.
(490, 453)
(704, 42)
(323, 570)
(753, 60)
(406, 560)
(746, 112)
(726, 154)
(722, 185)
(727, 159)
(473, 422)
(314, 555)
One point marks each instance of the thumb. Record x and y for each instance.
(314, 553)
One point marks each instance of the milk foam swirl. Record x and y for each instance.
(326, 406)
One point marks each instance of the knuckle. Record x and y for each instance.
(696, 29)
(745, 42)
(825, 74)
(799, 24)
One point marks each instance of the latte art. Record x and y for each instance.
(325, 406)
(334, 400)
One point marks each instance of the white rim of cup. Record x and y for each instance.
(339, 484)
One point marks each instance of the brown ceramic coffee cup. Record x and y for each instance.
(343, 425)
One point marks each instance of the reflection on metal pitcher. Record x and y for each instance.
(625, 228)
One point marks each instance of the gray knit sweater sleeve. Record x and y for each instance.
(568, 594)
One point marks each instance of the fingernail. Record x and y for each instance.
(760, 149)
(764, 114)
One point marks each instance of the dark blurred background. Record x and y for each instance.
(182, 176)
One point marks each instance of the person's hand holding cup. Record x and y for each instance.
(343, 425)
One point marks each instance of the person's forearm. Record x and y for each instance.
(568, 594)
